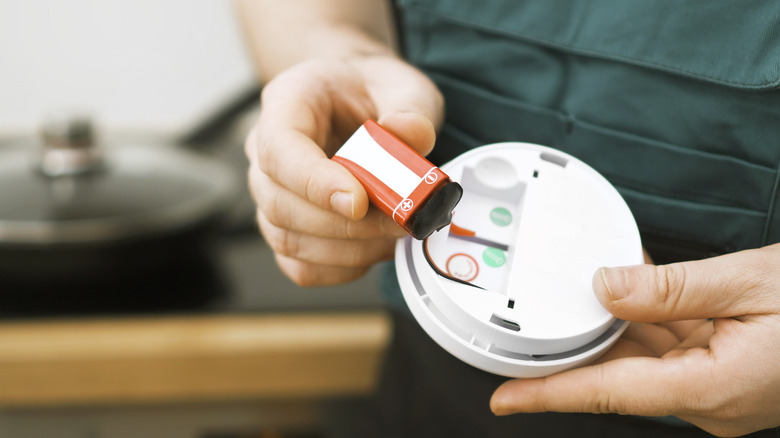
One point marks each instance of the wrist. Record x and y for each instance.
(336, 41)
(324, 41)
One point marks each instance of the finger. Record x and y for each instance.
(283, 209)
(655, 338)
(408, 104)
(699, 338)
(322, 251)
(725, 286)
(635, 385)
(625, 348)
(310, 274)
(286, 149)
(297, 164)
(413, 128)
(682, 329)
(646, 255)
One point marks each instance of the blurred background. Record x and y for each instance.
(136, 295)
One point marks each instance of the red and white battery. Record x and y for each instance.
(399, 181)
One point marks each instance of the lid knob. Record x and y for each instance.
(68, 145)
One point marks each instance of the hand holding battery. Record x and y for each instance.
(314, 214)
(417, 195)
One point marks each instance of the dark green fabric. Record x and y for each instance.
(731, 42)
(675, 102)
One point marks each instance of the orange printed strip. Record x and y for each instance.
(457, 232)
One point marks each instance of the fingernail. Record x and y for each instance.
(343, 203)
(616, 282)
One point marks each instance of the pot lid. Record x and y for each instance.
(125, 192)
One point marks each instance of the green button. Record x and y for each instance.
(501, 216)
(494, 257)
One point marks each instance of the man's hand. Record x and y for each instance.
(312, 211)
(721, 375)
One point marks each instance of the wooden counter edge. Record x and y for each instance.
(197, 358)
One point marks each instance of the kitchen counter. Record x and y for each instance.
(189, 358)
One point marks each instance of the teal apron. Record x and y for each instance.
(675, 102)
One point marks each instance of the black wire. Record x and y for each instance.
(439, 271)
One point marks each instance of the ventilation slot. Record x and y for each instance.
(505, 323)
(555, 159)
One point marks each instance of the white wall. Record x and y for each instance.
(149, 68)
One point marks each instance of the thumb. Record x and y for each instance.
(725, 286)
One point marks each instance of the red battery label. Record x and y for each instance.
(399, 181)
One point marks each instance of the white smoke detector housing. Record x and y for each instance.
(507, 286)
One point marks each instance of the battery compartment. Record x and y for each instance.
(478, 246)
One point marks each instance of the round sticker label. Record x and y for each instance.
(462, 266)
(501, 216)
(494, 257)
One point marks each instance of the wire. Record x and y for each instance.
(439, 271)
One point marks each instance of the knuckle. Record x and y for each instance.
(273, 207)
(347, 231)
(289, 243)
(602, 402)
(309, 186)
(304, 278)
(298, 272)
(351, 230)
(250, 144)
(312, 187)
(282, 241)
(265, 157)
(670, 285)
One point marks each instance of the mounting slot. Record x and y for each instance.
(505, 323)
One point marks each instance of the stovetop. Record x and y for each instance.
(238, 274)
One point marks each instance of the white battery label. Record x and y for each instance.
(364, 151)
